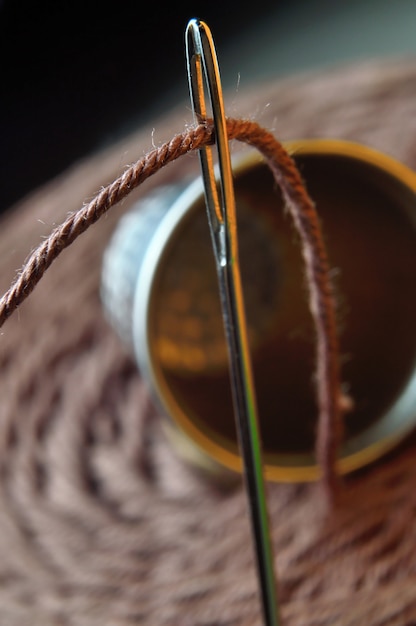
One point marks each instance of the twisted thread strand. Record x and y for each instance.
(305, 218)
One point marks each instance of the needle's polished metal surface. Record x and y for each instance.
(203, 75)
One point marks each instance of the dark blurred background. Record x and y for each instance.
(79, 74)
(76, 76)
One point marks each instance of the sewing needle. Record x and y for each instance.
(204, 76)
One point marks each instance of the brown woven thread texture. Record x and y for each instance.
(99, 522)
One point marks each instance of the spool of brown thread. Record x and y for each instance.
(99, 520)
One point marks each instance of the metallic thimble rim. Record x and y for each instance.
(357, 451)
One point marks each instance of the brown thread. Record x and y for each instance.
(321, 300)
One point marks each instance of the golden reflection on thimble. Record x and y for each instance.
(189, 331)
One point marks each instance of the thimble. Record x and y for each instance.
(160, 292)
